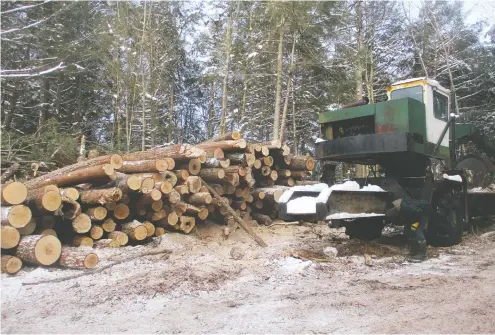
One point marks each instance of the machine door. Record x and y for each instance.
(437, 116)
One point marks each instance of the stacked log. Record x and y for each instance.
(116, 200)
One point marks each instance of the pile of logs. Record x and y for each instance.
(114, 200)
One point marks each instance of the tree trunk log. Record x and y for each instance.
(10, 237)
(286, 181)
(235, 135)
(193, 184)
(298, 174)
(81, 224)
(302, 163)
(48, 201)
(14, 193)
(193, 166)
(96, 232)
(97, 213)
(257, 164)
(60, 177)
(270, 193)
(150, 228)
(187, 223)
(164, 186)
(121, 237)
(69, 209)
(39, 249)
(11, 264)
(81, 241)
(100, 196)
(216, 163)
(215, 175)
(127, 183)
(9, 173)
(181, 175)
(17, 216)
(173, 197)
(77, 258)
(159, 231)
(201, 198)
(176, 152)
(135, 230)
(240, 158)
(70, 192)
(154, 165)
(107, 243)
(224, 145)
(121, 212)
(108, 225)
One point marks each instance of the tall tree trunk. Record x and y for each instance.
(211, 109)
(7, 122)
(278, 98)
(58, 96)
(358, 64)
(246, 77)
(289, 83)
(360, 169)
(294, 129)
(79, 110)
(143, 83)
(171, 113)
(45, 84)
(223, 123)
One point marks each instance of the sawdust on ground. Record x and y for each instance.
(289, 287)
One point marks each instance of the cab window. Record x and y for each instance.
(440, 106)
(414, 92)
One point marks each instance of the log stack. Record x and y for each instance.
(115, 200)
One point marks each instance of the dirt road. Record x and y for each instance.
(289, 287)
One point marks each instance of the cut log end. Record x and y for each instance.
(82, 223)
(170, 163)
(70, 192)
(39, 249)
(51, 201)
(10, 237)
(150, 228)
(28, 229)
(120, 237)
(121, 211)
(96, 232)
(11, 264)
(14, 193)
(166, 187)
(134, 183)
(17, 216)
(91, 260)
(116, 161)
(159, 231)
(147, 185)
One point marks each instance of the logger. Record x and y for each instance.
(416, 142)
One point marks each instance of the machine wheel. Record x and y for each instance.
(448, 218)
(364, 229)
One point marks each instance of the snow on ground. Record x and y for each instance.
(288, 287)
(345, 215)
(456, 178)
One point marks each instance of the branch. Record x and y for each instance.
(21, 73)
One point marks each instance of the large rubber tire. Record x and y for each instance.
(364, 229)
(448, 218)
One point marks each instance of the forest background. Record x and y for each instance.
(135, 75)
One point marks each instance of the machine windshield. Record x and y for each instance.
(415, 92)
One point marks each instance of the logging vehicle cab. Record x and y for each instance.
(413, 138)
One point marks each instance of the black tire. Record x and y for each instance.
(448, 218)
(364, 229)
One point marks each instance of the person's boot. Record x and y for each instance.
(417, 251)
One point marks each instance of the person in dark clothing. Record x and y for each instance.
(413, 212)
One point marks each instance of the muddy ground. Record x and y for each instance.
(289, 287)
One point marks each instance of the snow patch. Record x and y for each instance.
(345, 215)
(456, 178)
(302, 205)
(252, 54)
(318, 140)
(294, 264)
